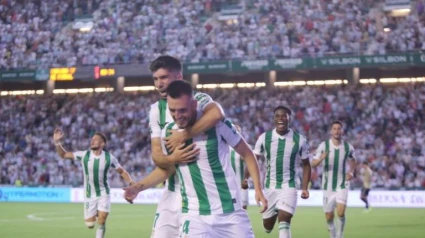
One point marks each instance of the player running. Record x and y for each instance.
(96, 164)
(335, 153)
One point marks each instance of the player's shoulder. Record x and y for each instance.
(154, 105)
(200, 96)
(349, 144)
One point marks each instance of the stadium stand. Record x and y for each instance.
(384, 124)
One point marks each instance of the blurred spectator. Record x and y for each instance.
(385, 124)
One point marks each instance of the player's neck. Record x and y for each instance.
(97, 152)
(336, 142)
(282, 133)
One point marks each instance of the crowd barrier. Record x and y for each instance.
(377, 198)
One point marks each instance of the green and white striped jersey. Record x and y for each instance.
(159, 116)
(238, 166)
(282, 154)
(335, 164)
(96, 170)
(208, 185)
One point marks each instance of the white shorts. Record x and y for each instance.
(330, 199)
(284, 199)
(245, 199)
(231, 225)
(167, 216)
(92, 205)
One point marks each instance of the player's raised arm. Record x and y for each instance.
(157, 176)
(212, 114)
(57, 137)
(319, 156)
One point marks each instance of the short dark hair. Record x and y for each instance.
(101, 136)
(286, 109)
(337, 122)
(179, 88)
(365, 162)
(167, 62)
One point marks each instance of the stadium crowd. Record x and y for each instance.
(384, 123)
(38, 34)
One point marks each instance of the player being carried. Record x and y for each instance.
(335, 153)
(96, 164)
(212, 205)
(165, 70)
(283, 149)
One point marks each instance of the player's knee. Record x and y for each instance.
(90, 224)
(268, 227)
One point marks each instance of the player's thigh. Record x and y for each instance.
(104, 204)
(90, 209)
(195, 226)
(329, 201)
(167, 217)
(287, 200)
(235, 224)
(271, 196)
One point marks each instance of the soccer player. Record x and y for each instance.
(167, 69)
(239, 168)
(212, 206)
(96, 164)
(335, 153)
(283, 149)
(367, 180)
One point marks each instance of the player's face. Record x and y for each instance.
(183, 110)
(96, 142)
(337, 131)
(281, 121)
(162, 78)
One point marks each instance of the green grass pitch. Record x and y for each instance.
(29, 220)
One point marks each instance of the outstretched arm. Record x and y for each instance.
(125, 175)
(157, 176)
(57, 136)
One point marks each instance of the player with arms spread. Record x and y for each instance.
(96, 164)
(283, 149)
(335, 153)
(165, 70)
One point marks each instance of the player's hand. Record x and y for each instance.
(183, 155)
(349, 176)
(305, 194)
(130, 193)
(57, 135)
(175, 139)
(323, 155)
(244, 184)
(261, 200)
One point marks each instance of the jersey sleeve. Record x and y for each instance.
(154, 128)
(319, 151)
(304, 150)
(79, 155)
(114, 162)
(259, 145)
(229, 133)
(203, 100)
